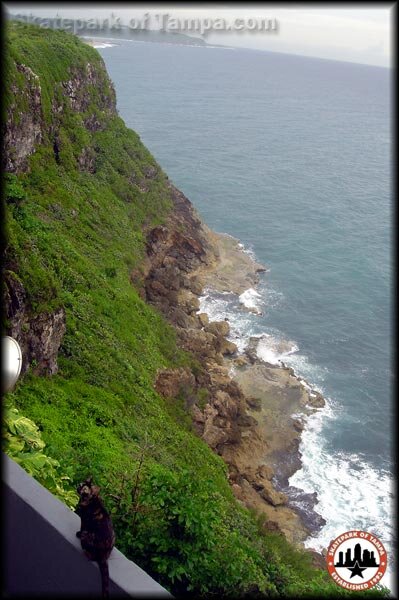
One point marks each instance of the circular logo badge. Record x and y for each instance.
(356, 560)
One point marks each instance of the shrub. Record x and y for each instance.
(23, 443)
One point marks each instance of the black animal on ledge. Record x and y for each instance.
(96, 533)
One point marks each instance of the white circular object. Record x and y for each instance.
(12, 363)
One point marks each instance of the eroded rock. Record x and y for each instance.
(226, 347)
(218, 328)
(23, 130)
(316, 400)
(271, 495)
(171, 382)
(40, 335)
(203, 319)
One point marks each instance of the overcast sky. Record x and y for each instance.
(352, 32)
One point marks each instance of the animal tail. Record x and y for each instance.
(103, 564)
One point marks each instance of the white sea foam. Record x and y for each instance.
(222, 305)
(103, 45)
(248, 250)
(99, 43)
(351, 493)
(274, 350)
(311, 376)
(252, 300)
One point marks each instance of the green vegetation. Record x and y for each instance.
(74, 238)
(22, 442)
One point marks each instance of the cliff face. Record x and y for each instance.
(181, 257)
(25, 128)
(170, 275)
(95, 226)
(88, 94)
(104, 264)
(62, 122)
(178, 254)
(39, 335)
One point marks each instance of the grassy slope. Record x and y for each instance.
(74, 238)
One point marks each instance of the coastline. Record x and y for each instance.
(241, 406)
(233, 270)
(278, 401)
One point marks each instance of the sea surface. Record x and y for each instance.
(292, 156)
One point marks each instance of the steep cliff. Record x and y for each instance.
(103, 267)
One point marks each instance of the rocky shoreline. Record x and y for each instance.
(277, 400)
(241, 406)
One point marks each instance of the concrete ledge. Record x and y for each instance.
(43, 556)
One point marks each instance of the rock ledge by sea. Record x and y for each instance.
(241, 406)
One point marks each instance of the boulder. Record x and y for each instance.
(218, 328)
(246, 421)
(316, 400)
(214, 436)
(241, 361)
(195, 285)
(225, 405)
(237, 491)
(227, 348)
(298, 425)
(265, 472)
(198, 415)
(221, 421)
(219, 358)
(188, 301)
(198, 341)
(178, 317)
(171, 382)
(203, 319)
(158, 288)
(271, 495)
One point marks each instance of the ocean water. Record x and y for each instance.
(292, 156)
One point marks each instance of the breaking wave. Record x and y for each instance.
(351, 494)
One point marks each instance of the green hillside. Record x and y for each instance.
(76, 218)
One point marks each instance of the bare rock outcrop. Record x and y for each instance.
(176, 254)
(171, 382)
(23, 130)
(78, 91)
(87, 160)
(39, 336)
(88, 91)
